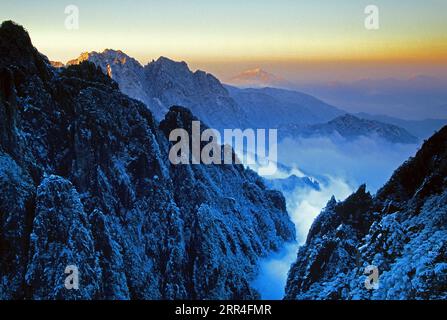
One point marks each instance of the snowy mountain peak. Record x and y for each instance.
(110, 56)
(117, 55)
(169, 62)
(168, 67)
(163, 83)
(258, 73)
(257, 77)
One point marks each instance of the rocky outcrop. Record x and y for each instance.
(401, 231)
(85, 180)
(60, 237)
(163, 83)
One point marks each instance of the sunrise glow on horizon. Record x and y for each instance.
(205, 33)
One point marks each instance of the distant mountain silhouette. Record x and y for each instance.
(351, 127)
(415, 98)
(258, 78)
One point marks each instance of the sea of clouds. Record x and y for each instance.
(340, 166)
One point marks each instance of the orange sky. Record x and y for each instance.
(312, 39)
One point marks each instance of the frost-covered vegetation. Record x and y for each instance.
(85, 180)
(402, 231)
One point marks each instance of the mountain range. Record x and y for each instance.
(85, 181)
(164, 82)
(350, 127)
(422, 129)
(415, 98)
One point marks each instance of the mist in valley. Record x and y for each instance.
(340, 166)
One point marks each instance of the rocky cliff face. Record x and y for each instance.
(402, 231)
(85, 180)
(164, 82)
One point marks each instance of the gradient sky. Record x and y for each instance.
(284, 36)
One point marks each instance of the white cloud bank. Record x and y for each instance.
(345, 165)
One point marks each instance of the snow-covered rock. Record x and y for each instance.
(401, 231)
(85, 180)
(163, 83)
